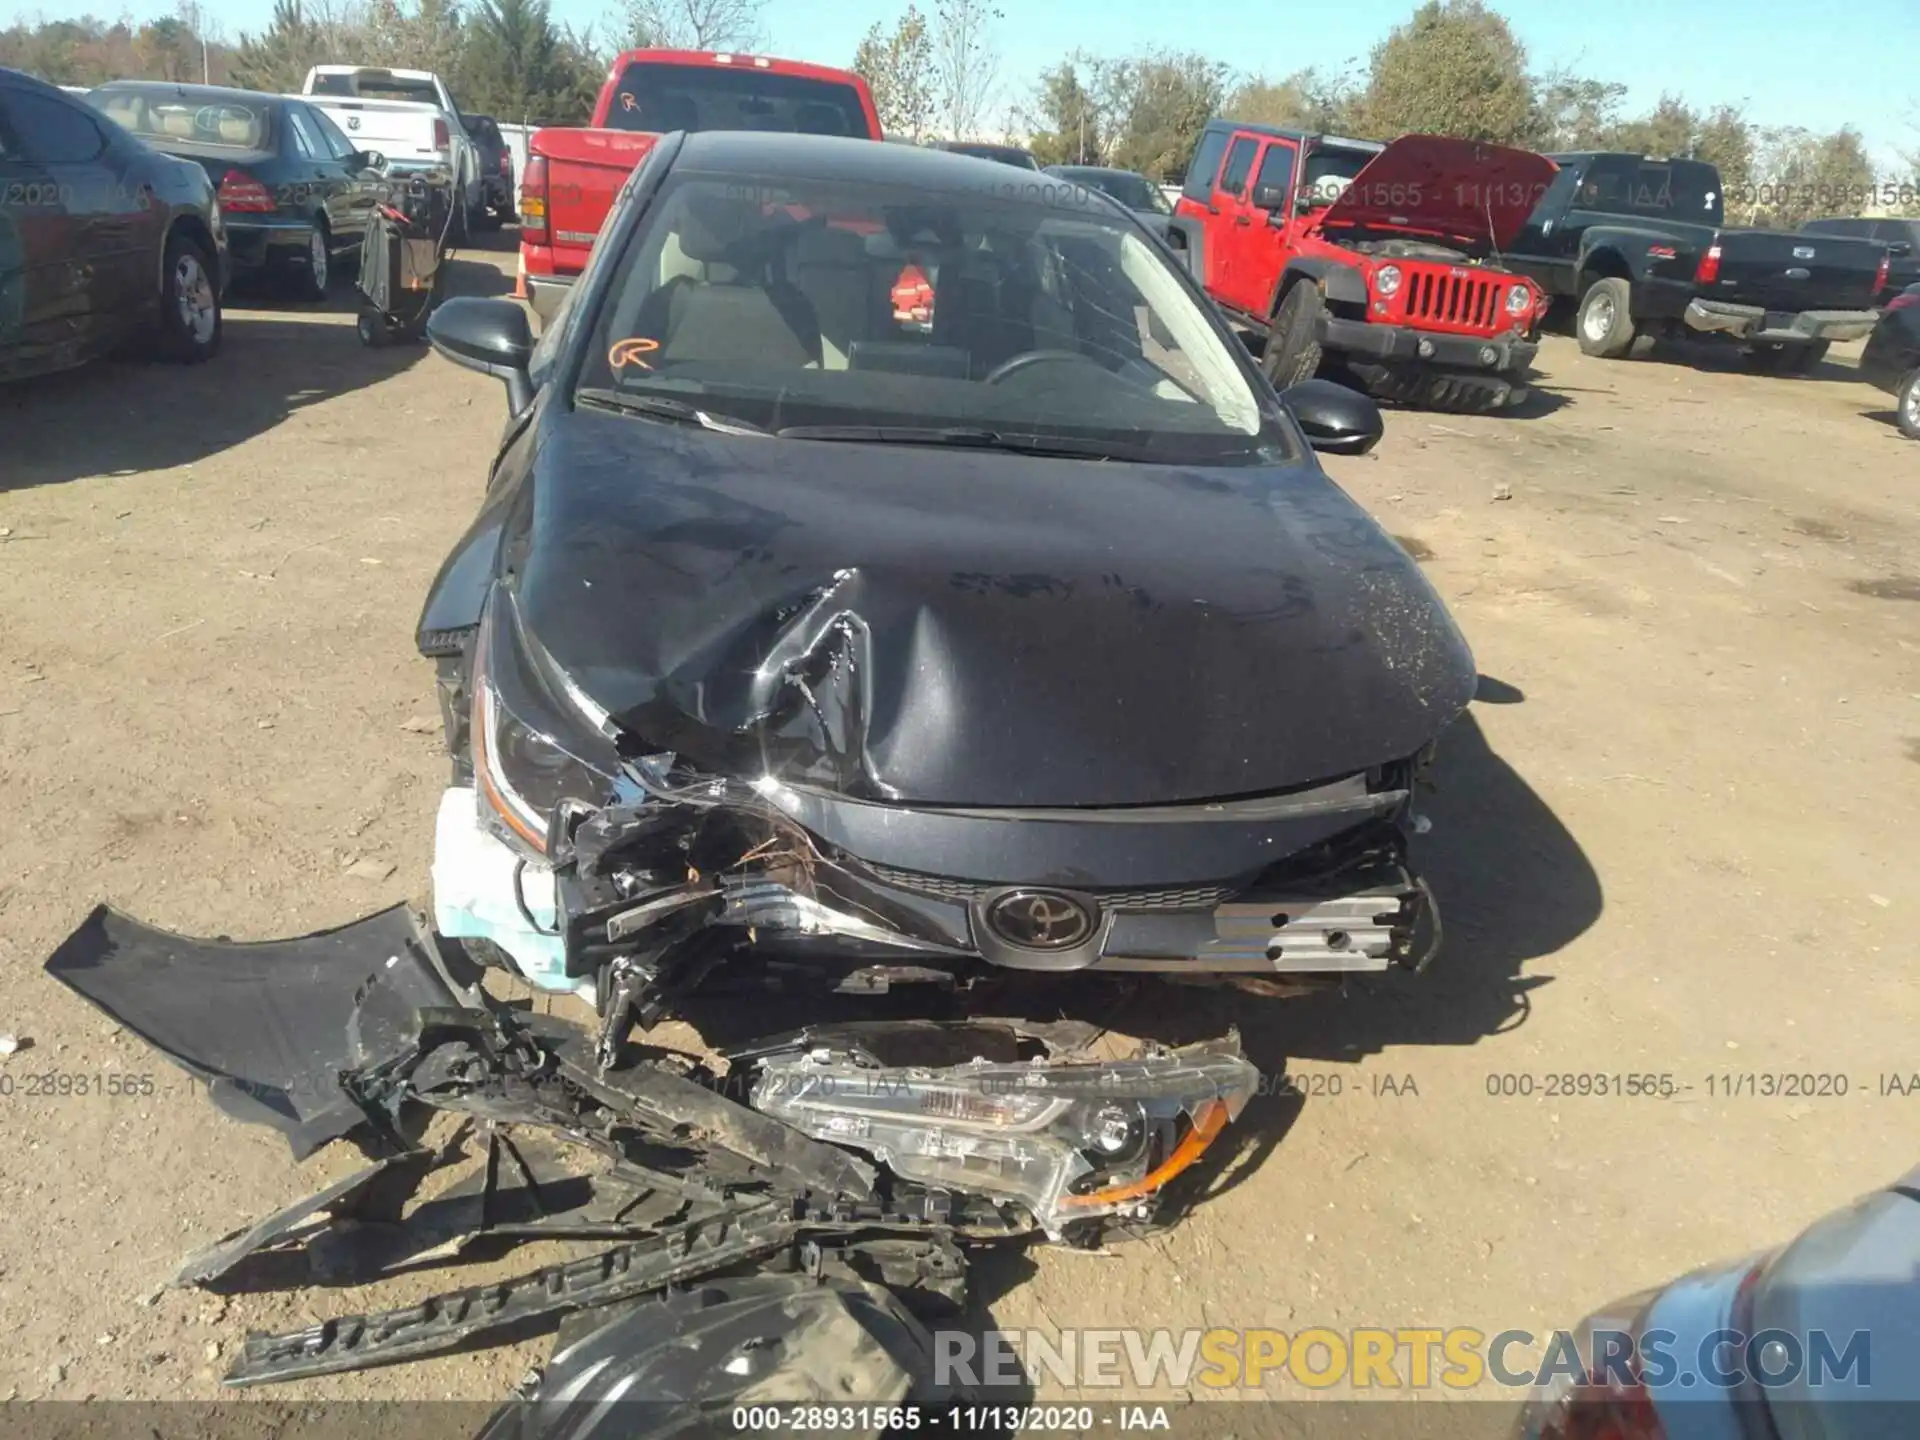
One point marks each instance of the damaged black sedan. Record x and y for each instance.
(797, 637)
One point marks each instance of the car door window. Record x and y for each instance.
(305, 138)
(335, 138)
(54, 131)
(1276, 167)
(1206, 165)
(1233, 180)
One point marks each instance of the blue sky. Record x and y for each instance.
(1852, 65)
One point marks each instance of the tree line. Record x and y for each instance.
(1453, 67)
(506, 58)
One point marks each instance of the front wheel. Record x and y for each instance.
(1907, 407)
(188, 330)
(1604, 325)
(1293, 349)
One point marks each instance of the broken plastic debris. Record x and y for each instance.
(9, 1044)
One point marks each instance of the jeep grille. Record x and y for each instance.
(1468, 300)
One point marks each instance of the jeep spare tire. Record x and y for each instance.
(1293, 344)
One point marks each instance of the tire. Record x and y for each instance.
(372, 330)
(314, 278)
(1604, 324)
(187, 331)
(1906, 407)
(1293, 354)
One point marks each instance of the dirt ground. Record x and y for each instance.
(1675, 837)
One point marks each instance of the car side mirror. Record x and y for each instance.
(491, 336)
(1335, 420)
(372, 160)
(1269, 197)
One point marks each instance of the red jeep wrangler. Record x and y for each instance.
(1377, 262)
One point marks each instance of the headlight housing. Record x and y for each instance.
(521, 771)
(1069, 1141)
(1519, 300)
(1386, 281)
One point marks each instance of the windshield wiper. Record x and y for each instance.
(662, 407)
(959, 436)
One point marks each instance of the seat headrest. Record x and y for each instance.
(177, 122)
(716, 227)
(667, 113)
(818, 118)
(236, 129)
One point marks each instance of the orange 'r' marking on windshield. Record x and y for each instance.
(628, 352)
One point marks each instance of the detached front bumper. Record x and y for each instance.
(1431, 347)
(1778, 327)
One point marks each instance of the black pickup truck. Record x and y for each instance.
(1640, 244)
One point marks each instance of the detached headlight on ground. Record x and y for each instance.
(1069, 1141)
(521, 773)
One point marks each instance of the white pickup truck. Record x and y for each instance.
(410, 117)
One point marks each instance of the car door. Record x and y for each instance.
(1547, 249)
(1225, 235)
(1260, 237)
(34, 243)
(80, 205)
(363, 182)
(322, 180)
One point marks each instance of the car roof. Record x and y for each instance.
(1095, 170)
(1562, 156)
(32, 82)
(835, 157)
(1278, 132)
(194, 92)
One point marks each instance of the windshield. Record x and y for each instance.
(660, 98)
(779, 303)
(166, 113)
(1669, 189)
(1136, 192)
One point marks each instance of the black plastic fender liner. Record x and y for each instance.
(269, 1025)
(677, 1366)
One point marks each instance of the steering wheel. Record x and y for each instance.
(1027, 359)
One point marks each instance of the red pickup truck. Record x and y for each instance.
(1380, 264)
(573, 175)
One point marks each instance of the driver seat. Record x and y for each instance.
(752, 317)
(975, 311)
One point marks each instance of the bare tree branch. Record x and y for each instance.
(697, 24)
(966, 64)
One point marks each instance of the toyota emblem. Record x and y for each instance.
(1040, 920)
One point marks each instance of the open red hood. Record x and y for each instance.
(1438, 185)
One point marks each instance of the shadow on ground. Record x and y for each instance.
(119, 417)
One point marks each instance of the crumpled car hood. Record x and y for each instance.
(951, 627)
